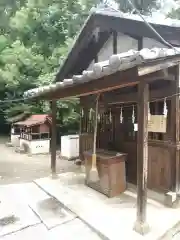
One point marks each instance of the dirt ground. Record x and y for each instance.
(19, 168)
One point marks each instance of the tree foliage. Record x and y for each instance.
(175, 13)
(35, 36)
(144, 6)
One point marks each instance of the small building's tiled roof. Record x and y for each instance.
(33, 120)
(119, 62)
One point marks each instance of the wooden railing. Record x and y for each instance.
(34, 136)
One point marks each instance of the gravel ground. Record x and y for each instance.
(19, 168)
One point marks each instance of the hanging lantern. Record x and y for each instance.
(133, 115)
(121, 116)
(165, 110)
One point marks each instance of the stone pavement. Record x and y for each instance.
(27, 212)
(73, 230)
(64, 208)
(111, 218)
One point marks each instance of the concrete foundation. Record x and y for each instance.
(35, 146)
(15, 140)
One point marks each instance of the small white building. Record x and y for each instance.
(35, 134)
(70, 147)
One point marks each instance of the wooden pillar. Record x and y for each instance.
(175, 131)
(141, 225)
(81, 129)
(140, 43)
(115, 42)
(96, 58)
(53, 137)
(177, 137)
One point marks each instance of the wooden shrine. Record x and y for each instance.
(117, 131)
(138, 112)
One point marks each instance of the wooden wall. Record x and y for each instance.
(114, 135)
(44, 128)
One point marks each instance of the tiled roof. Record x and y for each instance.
(115, 63)
(107, 20)
(162, 19)
(36, 119)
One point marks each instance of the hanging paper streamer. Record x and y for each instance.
(99, 117)
(107, 118)
(165, 110)
(133, 115)
(82, 112)
(121, 116)
(149, 113)
(90, 114)
(110, 117)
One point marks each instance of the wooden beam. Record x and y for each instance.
(150, 68)
(141, 225)
(131, 97)
(140, 43)
(160, 75)
(96, 57)
(114, 42)
(53, 137)
(104, 84)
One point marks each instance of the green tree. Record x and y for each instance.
(34, 40)
(144, 6)
(175, 13)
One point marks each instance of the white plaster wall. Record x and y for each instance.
(124, 43)
(90, 65)
(151, 43)
(70, 146)
(15, 140)
(106, 51)
(38, 146)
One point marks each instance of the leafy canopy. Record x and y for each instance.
(35, 36)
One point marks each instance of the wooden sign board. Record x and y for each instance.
(157, 123)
